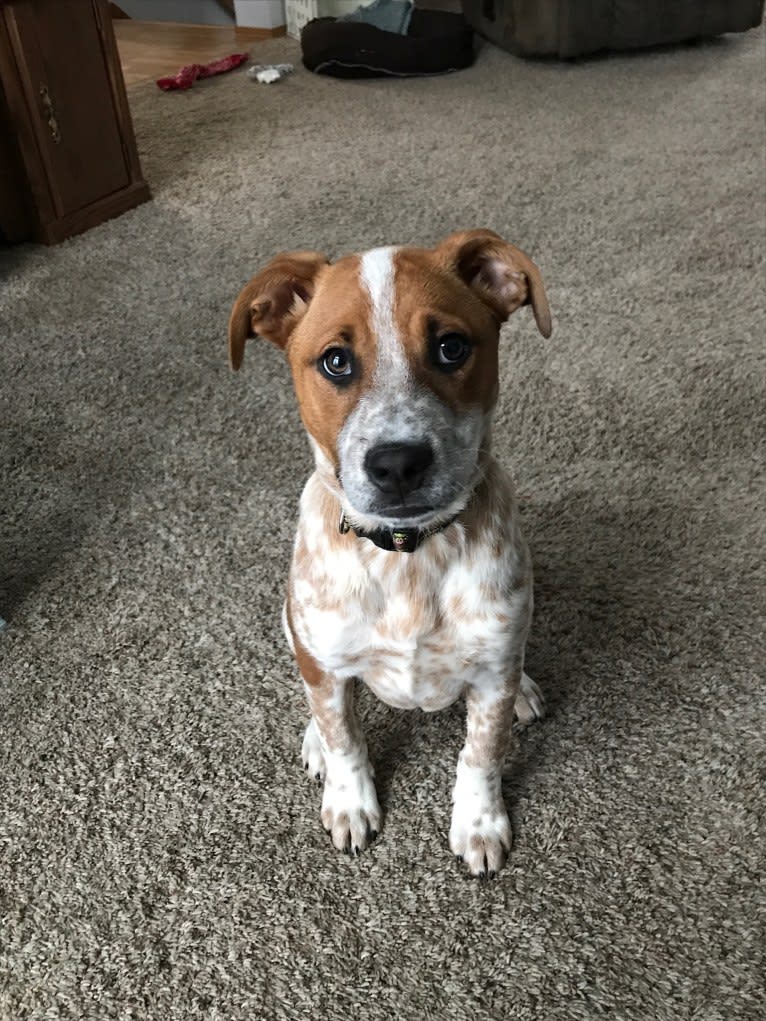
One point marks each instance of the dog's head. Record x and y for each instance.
(394, 360)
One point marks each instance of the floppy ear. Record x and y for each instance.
(271, 304)
(503, 276)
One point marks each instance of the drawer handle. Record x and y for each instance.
(50, 114)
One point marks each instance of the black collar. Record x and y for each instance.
(394, 540)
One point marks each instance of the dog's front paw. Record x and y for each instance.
(480, 833)
(483, 843)
(350, 810)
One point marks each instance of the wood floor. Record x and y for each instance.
(151, 49)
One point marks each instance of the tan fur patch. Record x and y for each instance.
(338, 316)
(430, 301)
(489, 733)
(310, 670)
(335, 718)
(272, 302)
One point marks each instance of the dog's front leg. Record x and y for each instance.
(334, 746)
(480, 832)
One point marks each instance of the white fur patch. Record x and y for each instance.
(480, 831)
(350, 809)
(419, 627)
(377, 273)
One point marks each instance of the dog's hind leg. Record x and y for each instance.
(311, 752)
(530, 702)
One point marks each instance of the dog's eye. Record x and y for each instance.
(336, 364)
(451, 351)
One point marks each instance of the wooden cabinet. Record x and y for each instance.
(68, 156)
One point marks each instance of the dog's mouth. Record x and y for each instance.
(426, 518)
(402, 513)
(406, 516)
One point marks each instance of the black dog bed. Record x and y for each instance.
(436, 42)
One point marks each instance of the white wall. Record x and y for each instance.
(194, 12)
(260, 13)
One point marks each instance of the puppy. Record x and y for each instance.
(409, 572)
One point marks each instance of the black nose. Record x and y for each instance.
(398, 468)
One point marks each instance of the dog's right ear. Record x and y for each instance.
(503, 276)
(272, 303)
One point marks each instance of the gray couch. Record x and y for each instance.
(572, 28)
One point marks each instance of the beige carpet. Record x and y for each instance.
(161, 855)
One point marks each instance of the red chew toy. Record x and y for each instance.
(187, 76)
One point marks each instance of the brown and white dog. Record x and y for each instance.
(409, 572)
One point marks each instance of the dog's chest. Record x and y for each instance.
(415, 628)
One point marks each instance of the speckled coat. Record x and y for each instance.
(400, 345)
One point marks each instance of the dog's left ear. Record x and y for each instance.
(504, 277)
(273, 302)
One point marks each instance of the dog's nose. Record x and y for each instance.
(398, 468)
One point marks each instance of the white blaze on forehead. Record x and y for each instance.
(377, 273)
